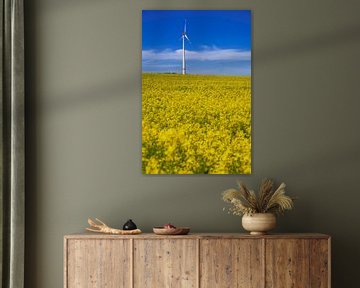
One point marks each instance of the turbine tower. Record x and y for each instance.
(183, 36)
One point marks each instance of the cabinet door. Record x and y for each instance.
(320, 263)
(287, 263)
(98, 263)
(165, 263)
(231, 263)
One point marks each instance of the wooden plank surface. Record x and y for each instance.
(98, 263)
(319, 263)
(89, 235)
(66, 263)
(231, 263)
(169, 263)
(287, 263)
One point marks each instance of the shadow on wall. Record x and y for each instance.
(342, 37)
(101, 93)
(118, 89)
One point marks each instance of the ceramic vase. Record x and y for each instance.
(259, 223)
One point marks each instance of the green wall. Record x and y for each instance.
(84, 138)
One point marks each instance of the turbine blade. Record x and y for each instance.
(185, 26)
(187, 37)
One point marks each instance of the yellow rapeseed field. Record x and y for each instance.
(196, 124)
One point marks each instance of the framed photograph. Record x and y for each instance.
(196, 92)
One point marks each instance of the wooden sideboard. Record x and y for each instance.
(197, 260)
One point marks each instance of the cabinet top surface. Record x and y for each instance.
(87, 235)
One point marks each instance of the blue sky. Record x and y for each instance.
(220, 41)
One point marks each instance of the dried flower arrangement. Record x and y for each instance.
(246, 202)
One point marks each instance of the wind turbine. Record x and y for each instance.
(183, 36)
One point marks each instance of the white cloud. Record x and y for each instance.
(207, 54)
